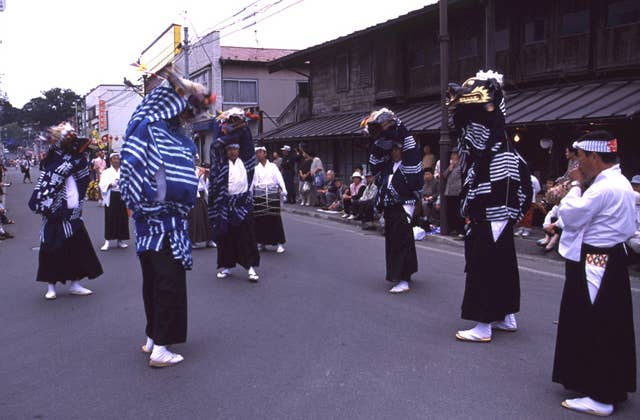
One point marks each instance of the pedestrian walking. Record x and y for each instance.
(233, 161)
(98, 166)
(397, 165)
(116, 219)
(268, 191)
(595, 346)
(496, 194)
(159, 186)
(25, 167)
(66, 252)
(199, 227)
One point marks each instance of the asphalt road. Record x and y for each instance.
(318, 338)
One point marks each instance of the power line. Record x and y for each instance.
(200, 43)
(254, 23)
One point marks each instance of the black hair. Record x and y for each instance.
(429, 169)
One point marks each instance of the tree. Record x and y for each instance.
(54, 106)
(13, 136)
(8, 113)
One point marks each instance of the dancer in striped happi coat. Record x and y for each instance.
(66, 252)
(233, 161)
(496, 194)
(397, 166)
(158, 184)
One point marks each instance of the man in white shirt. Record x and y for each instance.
(238, 244)
(267, 186)
(595, 347)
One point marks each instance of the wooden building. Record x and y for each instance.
(569, 66)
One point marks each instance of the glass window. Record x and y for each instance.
(534, 31)
(469, 47)
(623, 13)
(342, 72)
(240, 91)
(575, 23)
(416, 54)
(91, 113)
(203, 78)
(364, 58)
(303, 89)
(501, 40)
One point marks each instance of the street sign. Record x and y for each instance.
(102, 114)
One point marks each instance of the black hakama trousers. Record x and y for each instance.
(239, 246)
(75, 259)
(492, 288)
(199, 229)
(116, 219)
(595, 347)
(164, 291)
(267, 220)
(399, 245)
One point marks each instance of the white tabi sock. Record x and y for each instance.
(149, 344)
(588, 405)
(251, 271)
(481, 331)
(507, 324)
(164, 356)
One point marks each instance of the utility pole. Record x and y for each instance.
(186, 52)
(445, 141)
(489, 34)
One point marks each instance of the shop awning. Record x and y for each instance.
(573, 103)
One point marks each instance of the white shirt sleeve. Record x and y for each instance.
(278, 176)
(577, 209)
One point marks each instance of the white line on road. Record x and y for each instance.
(429, 248)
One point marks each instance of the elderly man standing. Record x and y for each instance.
(288, 169)
(116, 219)
(267, 187)
(595, 347)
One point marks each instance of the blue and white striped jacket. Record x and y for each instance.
(154, 144)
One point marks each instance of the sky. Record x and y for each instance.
(80, 44)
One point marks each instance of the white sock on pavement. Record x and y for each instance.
(588, 405)
(482, 331)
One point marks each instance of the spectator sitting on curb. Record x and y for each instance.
(356, 189)
(326, 194)
(430, 193)
(364, 207)
(337, 190)
(4, 221)
(552, 224)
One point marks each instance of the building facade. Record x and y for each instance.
(239, 77)
(105, 113)
(569, 67)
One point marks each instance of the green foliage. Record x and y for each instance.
(13, 136)
(55, 105)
